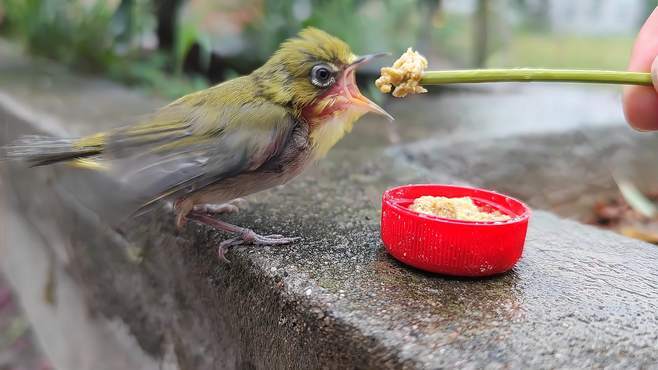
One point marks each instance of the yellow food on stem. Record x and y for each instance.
(404, 75)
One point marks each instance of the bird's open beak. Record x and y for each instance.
(351, 90)
(368, 57)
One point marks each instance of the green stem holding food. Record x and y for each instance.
(407, 76)
(535, 74)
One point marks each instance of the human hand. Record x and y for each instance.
(641, 102)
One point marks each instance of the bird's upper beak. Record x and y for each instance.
(351, 90)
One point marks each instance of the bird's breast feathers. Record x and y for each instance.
(328, 130)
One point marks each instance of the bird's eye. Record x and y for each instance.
(322, 76)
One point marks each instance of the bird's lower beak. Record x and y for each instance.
(352, 90)
(361, 101)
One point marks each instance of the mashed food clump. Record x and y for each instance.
(455, 208)
(405, 75)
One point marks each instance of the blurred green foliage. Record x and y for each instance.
(106, 36)
(93, 36)
(65, 30)
(453, 33)
(116, 37)
(536, 50)
(367, 26)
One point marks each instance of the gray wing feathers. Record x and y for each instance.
(150, 169)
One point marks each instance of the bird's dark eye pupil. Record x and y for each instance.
(321, 76)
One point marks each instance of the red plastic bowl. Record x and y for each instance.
(453, 247)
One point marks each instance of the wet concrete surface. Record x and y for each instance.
(579, 298)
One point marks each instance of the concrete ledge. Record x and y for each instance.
(151, 297)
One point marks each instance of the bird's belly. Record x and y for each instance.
(253, 182)
(239, 186)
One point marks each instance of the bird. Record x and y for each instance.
(207, 149)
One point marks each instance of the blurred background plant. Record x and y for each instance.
(101, 36)
(176, 46)
(65, 30)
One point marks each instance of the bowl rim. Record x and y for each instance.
(388, 199)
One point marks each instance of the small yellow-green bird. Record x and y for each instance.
(237, 138)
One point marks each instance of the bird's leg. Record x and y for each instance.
(183, 206)
(245, 236)
(240, 203)
(233, 206)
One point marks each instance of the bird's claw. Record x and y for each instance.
(250, 237)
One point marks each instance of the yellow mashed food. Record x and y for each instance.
(405, 75)
(455, 208)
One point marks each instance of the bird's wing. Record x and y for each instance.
(195, 142)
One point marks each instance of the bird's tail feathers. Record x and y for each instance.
(36, 150)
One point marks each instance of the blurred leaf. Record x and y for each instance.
(649, 236)
(636, 199)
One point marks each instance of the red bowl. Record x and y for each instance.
(453, 247)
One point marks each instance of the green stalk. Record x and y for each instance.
(535, 74)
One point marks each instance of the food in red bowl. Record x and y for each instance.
(450, 246)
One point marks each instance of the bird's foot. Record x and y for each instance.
(245, 236)
(250, 237)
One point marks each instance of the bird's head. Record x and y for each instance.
(313, 73)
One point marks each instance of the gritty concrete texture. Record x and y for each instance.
(579, 298)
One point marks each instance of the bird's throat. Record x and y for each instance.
(327, 130)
